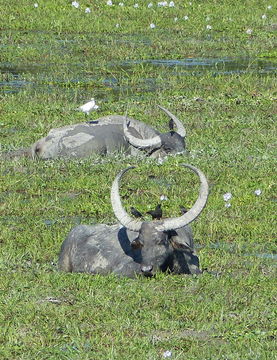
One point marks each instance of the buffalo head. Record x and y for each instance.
(163, 143)
(162, 247)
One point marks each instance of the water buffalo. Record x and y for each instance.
(107, 135)
(135, 247)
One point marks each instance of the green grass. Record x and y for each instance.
(105, 317)
(64, 57)
(91, 37)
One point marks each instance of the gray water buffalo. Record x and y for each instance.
(108, 135)
(135, 247)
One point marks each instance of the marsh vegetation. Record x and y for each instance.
(213, 65)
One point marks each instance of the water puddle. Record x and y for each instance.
(263, 256)
(218, 66)
(76, 220)
(233, 248)
(43, 77)
(159, 181)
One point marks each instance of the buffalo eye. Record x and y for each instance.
(136, 244)
(167, 149)
(162, 241)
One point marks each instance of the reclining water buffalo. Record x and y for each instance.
(107, 135)
(135, 247)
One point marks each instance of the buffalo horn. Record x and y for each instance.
(194, 212)
(180, 127)
(119, 211)
(154, 142)
(167, 224)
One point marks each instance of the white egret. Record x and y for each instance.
(89, 106)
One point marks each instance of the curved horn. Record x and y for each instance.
(180, 127)
(176, 223)
(119, 211)
(141, 143)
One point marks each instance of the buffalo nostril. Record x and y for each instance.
(146, 268)
(37, 149)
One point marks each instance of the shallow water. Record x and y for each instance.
(217, 65)
(43, 78)
(240, 250)
(263, 256)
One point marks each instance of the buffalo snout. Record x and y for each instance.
(147, 270)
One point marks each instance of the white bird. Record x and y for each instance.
(87, 107)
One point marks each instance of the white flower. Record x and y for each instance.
(109, 2)
(150, 5)
(208, 18)
(136, 5)
(167, 353)
(258, 192)
(249, 31)
(35, 5)
(209, 27)
(163, 197)
(117, 25)
(75, 4)
(152, 26)
(121, 4)
(227, 205)
(171, 4)
(264, 16)
(175, 19)
(162, 3)
(227, 196)
(185, 17)
(87, 11)
(190, 3)
(269, 7)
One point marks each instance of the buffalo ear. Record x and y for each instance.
(136, 244)
(180, 246)
(176, 243)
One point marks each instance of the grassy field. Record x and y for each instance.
(53, 58)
